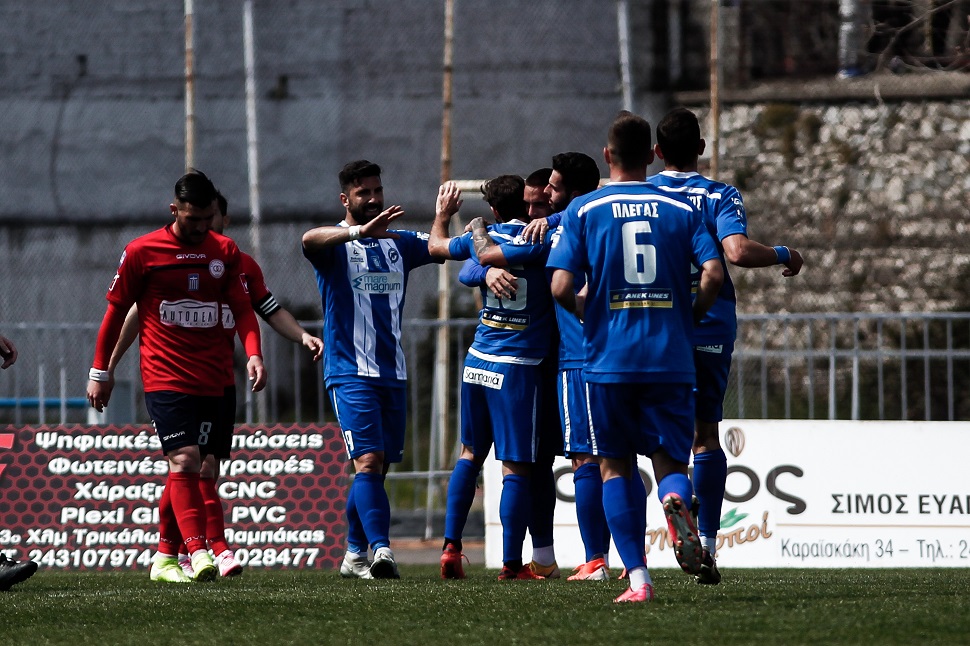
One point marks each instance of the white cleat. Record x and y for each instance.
(228, 564)
(355, 566)
(384, 566)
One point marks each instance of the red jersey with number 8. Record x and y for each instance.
(181, 291)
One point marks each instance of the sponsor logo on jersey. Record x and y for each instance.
(217, 268)
(485, 378)
(625, 299)
(190, 256)
(378, 282)
(713, 349)
(504, 320)
(189, 313)
(193, 282)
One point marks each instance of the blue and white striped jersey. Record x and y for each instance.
(636, 246)
(520, 329)
(362, 287)
(724, 216)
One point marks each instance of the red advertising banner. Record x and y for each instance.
(86, 497)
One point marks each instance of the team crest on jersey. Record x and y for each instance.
(393, 255)
(217, 268)
(193, 282)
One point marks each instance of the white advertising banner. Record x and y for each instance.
(806, 493)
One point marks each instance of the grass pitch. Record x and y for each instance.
(310, 607)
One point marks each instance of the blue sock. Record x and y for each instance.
(638, 492)
(710, 473)
(514, 509)
(625, 518)
(677, 483)
(374, 508)
(461, 494)
(589, 510)
(356, 538)
(543, 484)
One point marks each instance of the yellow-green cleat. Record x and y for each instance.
(167, 570)
(203, 566)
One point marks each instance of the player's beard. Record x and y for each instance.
(560, 206)
(365, 212)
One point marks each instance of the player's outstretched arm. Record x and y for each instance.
(330, 236)
(8, 351)
(487, 252)
(100, 380)
(741, 251)
(447, 204)
(712, 277)
(287, 327)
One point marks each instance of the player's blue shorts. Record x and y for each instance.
(372, 415)
(713, 364)
(573, 412)
(182, 420)
(499, 403)
(640, 419)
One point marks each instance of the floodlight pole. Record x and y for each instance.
(715, 89)
(623, 31)
(189, 85)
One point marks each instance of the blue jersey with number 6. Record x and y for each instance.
(636, 245)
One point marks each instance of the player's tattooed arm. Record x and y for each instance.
(480, 238)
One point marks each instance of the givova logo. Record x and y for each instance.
(6, 443)
(485, 378)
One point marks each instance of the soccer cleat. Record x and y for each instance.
(594, 570)
(641, 594)
(524, 573)
(683, 534)
(709, 574)
(384, 566)
(167, 570)
(451, 566)
(545, 571)
(186, 564)
(228, 564)
(14, 572)
(203, 566)
(355, 566)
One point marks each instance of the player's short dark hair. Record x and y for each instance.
(195, 189)
(629, 141)
(223, 203)
(506, 194)
(679, 136)
(578, 171)
(353, 172)
(538, 178)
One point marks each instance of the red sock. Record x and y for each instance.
(189, 509)
(169, 536)
(215, 522)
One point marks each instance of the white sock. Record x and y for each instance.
(544, 555)
(638, 577)
(709, 543)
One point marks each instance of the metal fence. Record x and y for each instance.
(899, 366)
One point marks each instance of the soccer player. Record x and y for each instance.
(178, 276)
(536, 200)
(501, 381)
(576, 174)
(636, 246)
(220, 440)
(679, 144)
(362, 270)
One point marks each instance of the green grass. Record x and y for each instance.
(310, 607)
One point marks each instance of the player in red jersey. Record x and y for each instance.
(179, 276)
(220, 443)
